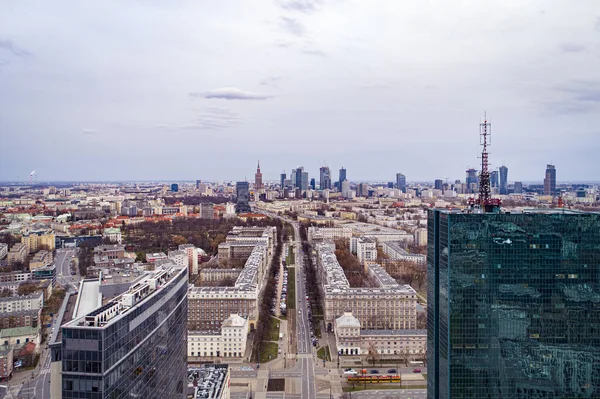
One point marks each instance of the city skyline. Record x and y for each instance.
(338, 74)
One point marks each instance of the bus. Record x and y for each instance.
(416, 364)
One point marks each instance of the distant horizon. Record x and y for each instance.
(172, 181)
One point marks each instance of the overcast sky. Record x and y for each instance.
(157, 89)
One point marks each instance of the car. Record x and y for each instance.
(392, 371)
(350, 372)
(416, 370)
(374, 371)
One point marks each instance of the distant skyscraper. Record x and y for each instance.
(472, 180)
(242, 189)
(100, 360)
(282, 177)
(258, 184)
(362, 190)
(512, 305)
(494, 181)
(198, 183)
(313, 184)
(518, 187)
(304, 182)
(390, 184)
(503, 180)
(299, 172)
(438, 184)
(174, 187)
(345, 186)
(324, 178)
(401, 182)
(342, 177)
(293, 177)
(550, 180)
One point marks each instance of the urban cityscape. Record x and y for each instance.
(299, 199)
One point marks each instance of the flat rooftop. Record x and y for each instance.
(89, 298)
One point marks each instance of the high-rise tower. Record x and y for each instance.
(324, 178)
(401, 182)
(511, 310)
(550, 180)
(133, 346)
(503, 180)
(258, 184)
(342, 177)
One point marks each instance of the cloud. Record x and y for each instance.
(272, 81)
(209, 118)
(575, 97)
(13, 48)
(292, 26)
(304, 6)
(315, 52)
(582, 91)
(89, 131)
(230, 93)
(571, 48)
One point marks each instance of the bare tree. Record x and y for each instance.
(373, 354)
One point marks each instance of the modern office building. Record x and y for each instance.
(550, 180)
(242, 189)
(313, 184)
(174, 187)
(494, 180)
(325, 178)
(134, 346)
(341, 178)
(258, 184)
(304, 182)
(518, 187)
(282, 179)
(503, 180)
(401, 182)
(513, 305)
(438, 183)
(472, 180)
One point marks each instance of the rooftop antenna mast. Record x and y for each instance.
(485, 200)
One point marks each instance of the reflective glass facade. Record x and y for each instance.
(141, 354)
(513, 305)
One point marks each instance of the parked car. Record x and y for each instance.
(350, 372)
(392, 371)
(374, 371)
(416, 370)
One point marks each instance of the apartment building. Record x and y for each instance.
(229, 342)
(329, 233)
(17, 254)
(192, 254)
(34, 301)
(20, 318)
(209, 306)
(350, 339)
(365, 248)
(6, 362)
(36, 240)
(3, 250)
(421, 236)
(180, 258)
(40, 259)
(212, 275)
(389, 306)
(395, 251)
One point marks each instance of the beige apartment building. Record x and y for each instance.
(36, 240)
(229, 342)
(389, 306)
(209, 306)
(18, 253)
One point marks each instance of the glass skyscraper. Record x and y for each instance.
(134, 346)
(513, 305)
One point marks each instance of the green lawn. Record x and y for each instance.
(273, 329)
(324, 353)
(291, 288)
(289, 260)
(268, 349)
